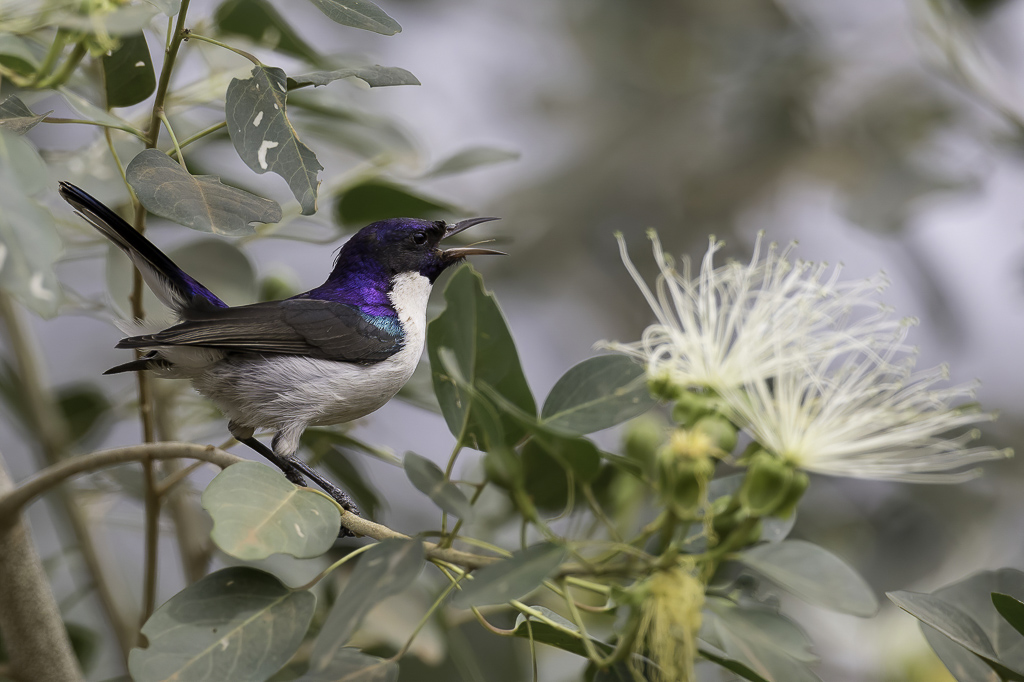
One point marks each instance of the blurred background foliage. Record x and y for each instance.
(885, 135)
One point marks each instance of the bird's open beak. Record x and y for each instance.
(463, 251)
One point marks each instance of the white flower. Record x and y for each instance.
(737, 323)
(797, 364)
(866, 418)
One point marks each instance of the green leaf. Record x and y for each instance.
(330, 448)
(90, 111)
(239, 623)
(813, 574)
(961, 663)
(597, 393)
(387, 568)
(511, 578)
(122, 21)
(218, 264)
(128, 72)
(29, 243)
(428, 478)
(85, 409)
(760, 640)
(377, 200)
(260, 22)
(352, 665)
(374, 75)
(947, 619)
(264, 137)
(1011, 609)
(471, 158)
(168, 7)
(201, 202)
(359, 14)
(560, 633)
(17, 117)
(716, 655)
(257, 512)
(16, 55)
(964, 612)
(473, 327)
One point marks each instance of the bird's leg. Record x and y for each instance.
(287, 442)
(293, 468)
(291, 472)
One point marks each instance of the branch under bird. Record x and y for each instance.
(326, 356)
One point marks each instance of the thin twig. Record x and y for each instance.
(71, 466)
(198, 136)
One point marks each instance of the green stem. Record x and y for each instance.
(423, 621)
(327, 571)
(198, 136)
(81, 121)
(67, 68)
(174, 140)
(241, 53)
(52, 55)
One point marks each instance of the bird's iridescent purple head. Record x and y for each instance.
(398, 245)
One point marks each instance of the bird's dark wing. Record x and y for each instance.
(309, 327)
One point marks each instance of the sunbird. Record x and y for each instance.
(326, 356)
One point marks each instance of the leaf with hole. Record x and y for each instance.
(239, 623)
(428, 478)
(374, 75)
(473, 327)
(264, 137)
(359, 14)
(17, 117)
(128, 76)
(258, 512)
(597, 393)
(387, 568)
(511, 578)
(813, 574)
(201, 202)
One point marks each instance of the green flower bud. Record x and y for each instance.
(683, 475)
(797, 487)
(766, 484)
(690, 407)
(663, 388)
(644, 435)
(719, 430)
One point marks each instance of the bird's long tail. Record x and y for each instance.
(170, 283)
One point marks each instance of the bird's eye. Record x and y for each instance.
(419, 238)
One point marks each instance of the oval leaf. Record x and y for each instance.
(512, 578)
(387, 568)
(264, 25)
(264, 137)
(961, 663)
(257, 512)
(813, 574)
(597, 393)
(947, 619)
(1012, 610)
(376, 200)
(239, 623)
(359, 14)
(471, 158)
(17, 117)
(428, 478)
(128, 72)
(201, 202)
(375, 75)
(473, 327)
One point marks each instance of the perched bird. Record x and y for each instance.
(326, 356)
